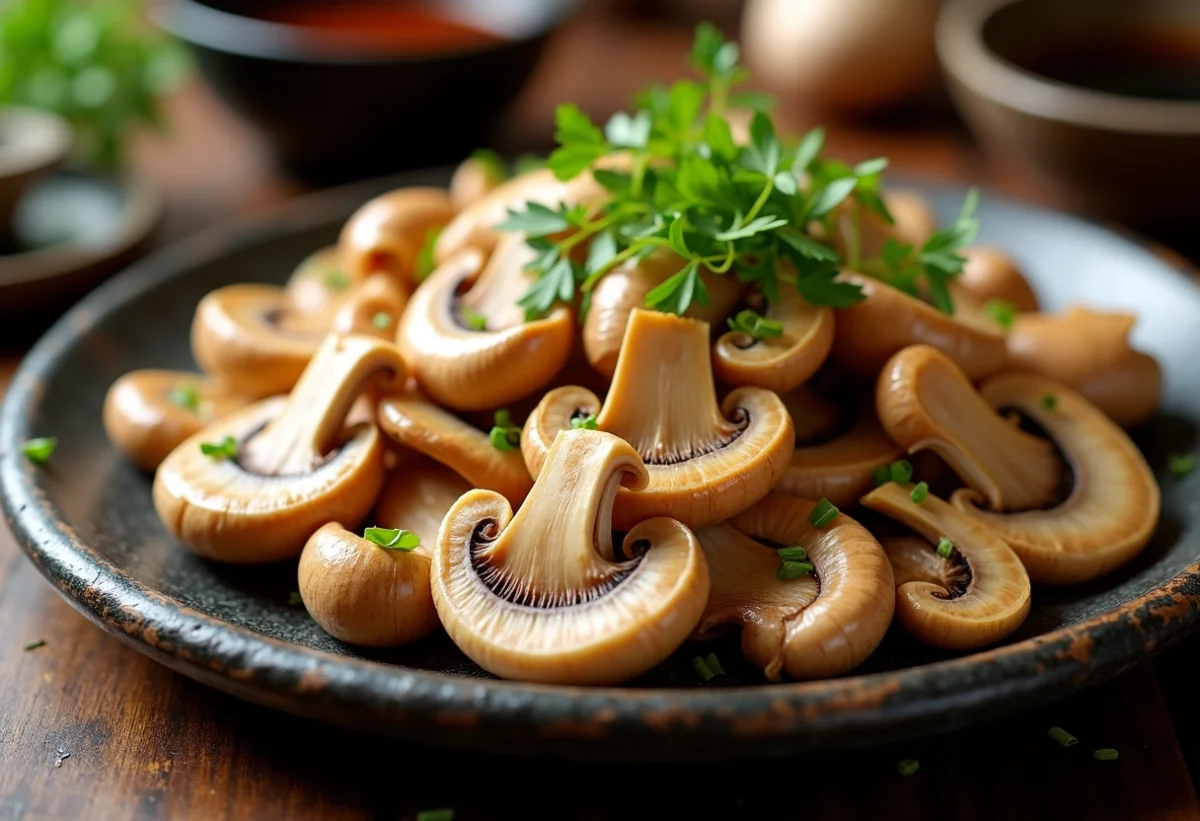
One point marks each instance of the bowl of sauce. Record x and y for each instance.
(1098, 98)
(356, 88)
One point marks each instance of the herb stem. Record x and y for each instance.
(760, 202)
(639, 173)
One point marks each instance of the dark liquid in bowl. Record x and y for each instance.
(1158, 66)
(397, 26)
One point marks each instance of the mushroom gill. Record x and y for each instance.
(976, 595)
(473, 350)
(706, 462)
(779, 363)
(253, 486)
(544, 596)
(814, 625)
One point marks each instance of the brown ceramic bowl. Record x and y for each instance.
(1107, 151)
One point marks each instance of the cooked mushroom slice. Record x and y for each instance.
(706, 462)
(421, 425)
(973, 592)
(386, 234)
(992, 274)
(914, 222)
(368, 593)
(147, 413)
(474, 351)
(1090, 352)
(816, 417)
(543, 596)
(252, 487)
(925, 402)
(814, 625)
(781, 362)
(318, 284)
(625, 288)
(473, 179)
(374, 308)
(870, 331)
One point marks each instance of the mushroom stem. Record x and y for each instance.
(312, 419)
(926, 402)
(503, 279)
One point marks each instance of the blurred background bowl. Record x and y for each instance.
(1098, 98)
(349, 90)
(32, 142)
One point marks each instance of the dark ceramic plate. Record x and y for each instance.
(87, 522)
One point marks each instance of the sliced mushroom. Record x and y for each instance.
(625, 288)
(816, 417)
(783, 362)
(1107, 516)
(543, 595)
(812, 626)
(706, 462)
(926, 402)
(421, 425)
(147, 413)
(1090, 352)
(473, 179)
(318, 284)
(374, 309)
(468, 366)
(364, 593)
(977, 595)
(387, 233)
(992, 274)
(281, 468)
(913, 222)
(870, 331)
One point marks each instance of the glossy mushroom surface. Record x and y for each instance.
(779, 363)
(992, 274)
(815, 625)
(706, 462)
(544, 595)
(386, 234)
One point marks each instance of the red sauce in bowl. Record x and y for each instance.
(398, 27)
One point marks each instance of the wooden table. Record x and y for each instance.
(90, 729)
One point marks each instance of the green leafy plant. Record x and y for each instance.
(761, 209)
(94, 62)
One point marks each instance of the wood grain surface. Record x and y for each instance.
(90, 729)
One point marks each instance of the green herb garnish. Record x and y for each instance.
(504, 435)
(186, 396)
(423, 266)
(908, 766)
(474, 321)
(435, 815)
(882, 475)
(1062, 736)
(789, 570)
(1049, 401)
(295, 599)
(227, 448)
(763, 210)
(919, 493)
(755, 326)
(945, 548)
(382, 320)
(583, 422)
(793, 554)
(493, 164)
(39, 450)
(1105, 754)
(336, 280)
(34, 645)
(1182, 464)
(714, 664)
(901, 472)
(822, 514)
(707, 667)
(392, 539)
(1003, 312)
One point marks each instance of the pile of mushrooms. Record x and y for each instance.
(574, 498)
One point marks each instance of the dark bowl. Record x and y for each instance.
(335, 113)
(1124, 157)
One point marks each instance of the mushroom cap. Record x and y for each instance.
(1089, 351)
(705, 462)
(625, 287)
(992, 274)
(914, 222)
(976, 597)
(925, 402)
(308, 289)
(539, 597)
(871, 331)
(466, 369)
(779, 363)
(472, 179)
(816, 417)
(143, 423)
(416, 496)
(222, 511)
(379, 294)
(387, 232)
(1111, 512)
(364, 594)
(423, 426)
(810, 627)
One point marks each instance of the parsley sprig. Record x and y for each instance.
(679, 180)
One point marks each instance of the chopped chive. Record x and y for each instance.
(186, 396)
(392, 539)
(702, 669)
(336, 281)
(1049, 401)
(908, 766)
(945, 548)
(382, 320)
(755, 325)
(882, 475)
(901, 472)
(793, 554)
(714, 664)
(919, 493)
(295, 599)
(505, 439)
(474, 321)
(583, 422)
(424, 264)
(502, 418)
(1182, 464)
(1002, 312)
(1105, 754)
(793, 570)
(33, 645)
(39, 450)
(822, 514)
(435, 815)
(1062, 736)
(225, 449)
